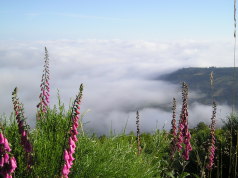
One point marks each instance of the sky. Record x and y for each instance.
(116, 49)
(116, 19)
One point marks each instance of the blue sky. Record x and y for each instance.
(116, 19)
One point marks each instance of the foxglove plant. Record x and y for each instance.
(184, 135)
(173, 130)
(138, 133)
(22, 127)
(212, 148)
(8, 163)
(45, 87)
(68, 153)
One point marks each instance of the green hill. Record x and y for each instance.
(198, 79)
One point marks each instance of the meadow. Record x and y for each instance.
(58, 146)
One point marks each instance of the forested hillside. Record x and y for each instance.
(198, 79)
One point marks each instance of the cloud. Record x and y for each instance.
(117, 75)
(201, 113)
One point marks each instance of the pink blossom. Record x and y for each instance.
(8, 164)
(75, 138)
(6, 145)
(7, 175)
(71, 158)
(69, 164)
(65, 170)
(6, 158)
(68, 153)
(1, 138)
(1, 161)
(72, 143)
(13, 164)
(184, 135)
(77, 111)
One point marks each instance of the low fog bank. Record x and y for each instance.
(118, 79)
(150, 119)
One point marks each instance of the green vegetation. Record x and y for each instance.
(116, 155)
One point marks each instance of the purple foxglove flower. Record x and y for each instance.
(66, 155)
(69, 164)
(74, 137)
(13, 164)
(8, 176)
(1, 138)
(65, 170)
(184, 135)
(71, 142)
(22, 126)
(6, 145)
(71, 149)
(71, 158)
(23, 134)
(212, 148)
(1, 161)
(7, 164)
(45, 89)
(6, 158)
(77, 111)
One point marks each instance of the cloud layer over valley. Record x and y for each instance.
(118, 77)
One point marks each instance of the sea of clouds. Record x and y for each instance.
(118, 78)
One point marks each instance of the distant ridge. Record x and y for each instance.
(198, 79)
